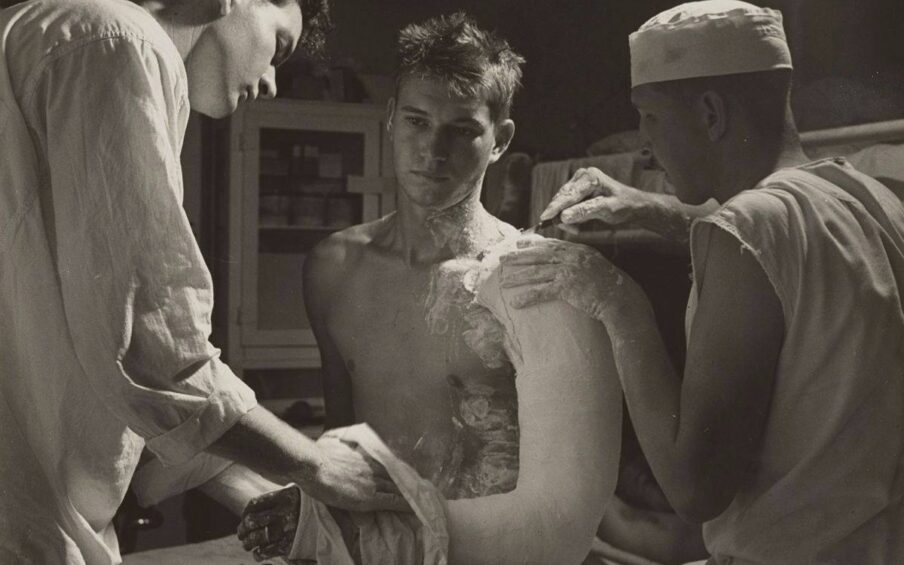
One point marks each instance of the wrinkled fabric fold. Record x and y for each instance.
(385, 537)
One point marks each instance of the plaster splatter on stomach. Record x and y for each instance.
(483, 457)
(484, 454)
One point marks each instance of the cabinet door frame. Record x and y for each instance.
(299, 116)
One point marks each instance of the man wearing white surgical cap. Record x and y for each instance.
(784, 435)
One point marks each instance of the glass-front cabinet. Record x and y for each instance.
(298, 171)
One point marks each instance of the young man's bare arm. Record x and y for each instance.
(320, 276)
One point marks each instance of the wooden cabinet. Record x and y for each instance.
(296, 172)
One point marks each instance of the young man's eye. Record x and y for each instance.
(416, 121)
(466, 131)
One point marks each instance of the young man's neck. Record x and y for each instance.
(425, 236)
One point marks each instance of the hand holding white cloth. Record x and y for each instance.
(348, 477)
(386, 537)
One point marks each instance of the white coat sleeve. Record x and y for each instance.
(136, 291)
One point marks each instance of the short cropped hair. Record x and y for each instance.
(469, 60)
(764, 96)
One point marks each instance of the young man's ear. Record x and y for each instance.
(714, 114)
(390, 113)
(504, 131)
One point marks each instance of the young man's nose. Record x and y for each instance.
(267, 84)
(436, 146)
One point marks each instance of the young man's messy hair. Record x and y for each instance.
(470, 61)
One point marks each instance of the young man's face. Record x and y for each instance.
(677, 141)
(235, 57)
(442, 144)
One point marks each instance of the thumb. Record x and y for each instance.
(225, 7)
(577, 189)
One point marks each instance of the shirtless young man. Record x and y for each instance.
(382, 297)
(526, 464)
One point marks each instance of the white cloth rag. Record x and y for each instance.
(386, 538)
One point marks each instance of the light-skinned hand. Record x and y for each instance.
(593, 195)
(550, 269)
(348, 478)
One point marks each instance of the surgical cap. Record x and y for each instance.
(709, 38)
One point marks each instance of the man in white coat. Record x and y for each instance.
(105, 299)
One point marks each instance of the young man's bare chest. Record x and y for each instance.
(427, 367)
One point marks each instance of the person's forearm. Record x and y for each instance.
(265, 444)
(660, 536)
(652, 391)
(669, 217)
(237, 485)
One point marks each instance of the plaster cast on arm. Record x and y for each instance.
(569, 407)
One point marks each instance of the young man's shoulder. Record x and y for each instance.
(341, 253)
(347, 245)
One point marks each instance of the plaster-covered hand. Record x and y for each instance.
(348, 478)
(551, 269)
(269, 522)
(593, 195)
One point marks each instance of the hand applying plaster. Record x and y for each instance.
(593, 195)
(557, 270)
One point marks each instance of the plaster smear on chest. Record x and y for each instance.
(483, 457)
(450, 307)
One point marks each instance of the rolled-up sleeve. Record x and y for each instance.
(136, 291)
